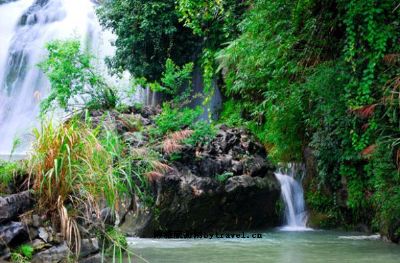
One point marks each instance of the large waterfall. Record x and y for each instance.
(25, 27)
(293, 197)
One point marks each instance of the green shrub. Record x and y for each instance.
(116, 244)
(203, 132)
(175, 119)
(174, 77)
(75, 84)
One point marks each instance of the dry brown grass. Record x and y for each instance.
(172, 142)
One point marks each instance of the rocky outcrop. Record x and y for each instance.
(12, 232)
(19, 226)
(227, 184)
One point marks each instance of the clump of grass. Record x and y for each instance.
(73, 167)
(23, 254)
(9, 173)
(70, 160)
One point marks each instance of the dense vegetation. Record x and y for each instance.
(316, 81)
(319, 75)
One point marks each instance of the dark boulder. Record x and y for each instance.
(52, 255)
(89, 247)
(14, 205)
(11, 234)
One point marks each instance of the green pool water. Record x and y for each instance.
(274, 246)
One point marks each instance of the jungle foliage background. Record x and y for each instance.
(304, 76)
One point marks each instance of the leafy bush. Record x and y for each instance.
(175, 82)
(116, 244)
(74, 81)
(10, 172)
(7, 172)
(174, 77)
(203, 132)
(232, 114)
(175, 119)
(385, 179)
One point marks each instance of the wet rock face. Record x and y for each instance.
(227, 184)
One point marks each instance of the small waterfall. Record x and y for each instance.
(293, 197)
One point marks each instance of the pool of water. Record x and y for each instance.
(274, 246)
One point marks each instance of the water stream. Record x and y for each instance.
(274, 246)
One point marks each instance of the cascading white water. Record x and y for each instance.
(293, 197)
(25, 28)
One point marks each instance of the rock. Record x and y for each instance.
(97, 258)
(227, 184)
(256, 166)
(188, 203)
(5, 254)
(33, 232)
(52, 255)
(107, 216)
(14, 205)
(39, 244)
(43, 234)
(89, 247)
(36, 221)
(31, 16)
(393, 232)
(139, 223)
(12, 233)
(6, 1)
